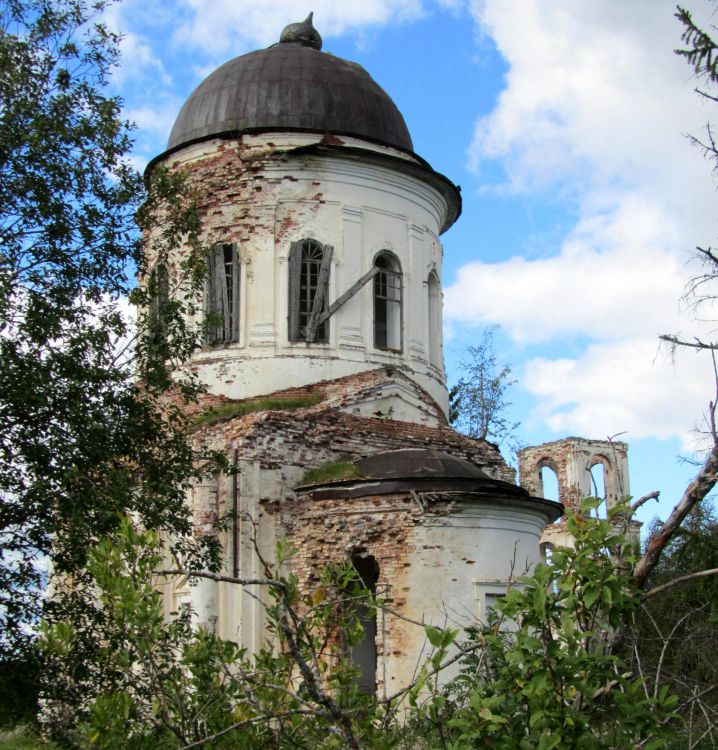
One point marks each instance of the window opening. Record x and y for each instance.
(312, 257)
(549, 483)
(387, 303)
(159, 294)
(222, 294)
(488, 614)
(309, 265)
(598, 488)
(546, 550)
(489, 603)
(363, 653)
(435, 354)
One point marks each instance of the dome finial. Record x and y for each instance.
(303, 32)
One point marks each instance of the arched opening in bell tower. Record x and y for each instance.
(599, 490)
(548, 486)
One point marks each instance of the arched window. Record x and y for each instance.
(548, 487)
(387, 303)
(309, 265)
(221, 299)
(158, 292)
(158, 289)
(597, 475)
(436, 356)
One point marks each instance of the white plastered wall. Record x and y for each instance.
(459, 560)
(360, 207)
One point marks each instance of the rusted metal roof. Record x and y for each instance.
(425, 463)
(435, 475)
(291, 86)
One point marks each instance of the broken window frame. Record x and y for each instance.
(309, 271)
(222, 294)
(388, 303)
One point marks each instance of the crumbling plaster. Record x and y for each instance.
(437, 560)
(276, 448)
(572, 459)
(263, 193)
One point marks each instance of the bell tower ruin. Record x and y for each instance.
(571, 460)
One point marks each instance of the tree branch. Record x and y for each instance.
(222, 579)
(681, 579)
(696, 490)
(642, 500)
(695, 344)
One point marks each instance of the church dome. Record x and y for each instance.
(291, 86)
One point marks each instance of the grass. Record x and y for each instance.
(332, 471)
(227, 411)
(23, 738)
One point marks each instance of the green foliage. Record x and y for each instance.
(82, 442)
(543, 674)
(478, 402)
(332, 471)
(673, 634)
(227, 411)
(701, 51)
(23, 738)
(701, 54)
(151, 683)
(19, 688)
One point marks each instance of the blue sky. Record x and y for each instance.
(564, 123)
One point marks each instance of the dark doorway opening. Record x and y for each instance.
(363, 653)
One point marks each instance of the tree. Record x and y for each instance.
(478, 402)
(544, 673)
(541, 675)
(701, 53)
(671, 639)
(155, 684)
(82, 442)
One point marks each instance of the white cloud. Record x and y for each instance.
(615, 276)
(140, 61)
(156, 120)
(223, 24)
(595, 108)
(594, 93)
(629, 385)
(139, 58)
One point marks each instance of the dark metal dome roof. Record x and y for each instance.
(425, 470)
(422, 463)
(292, 85)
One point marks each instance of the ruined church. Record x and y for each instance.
(323, 358)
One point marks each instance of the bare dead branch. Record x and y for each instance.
(642, 500)
(222, 579)
(248, 722)
(311, 681)
(696, 490)
(696, 343)
(712, 404)
(676, 581)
